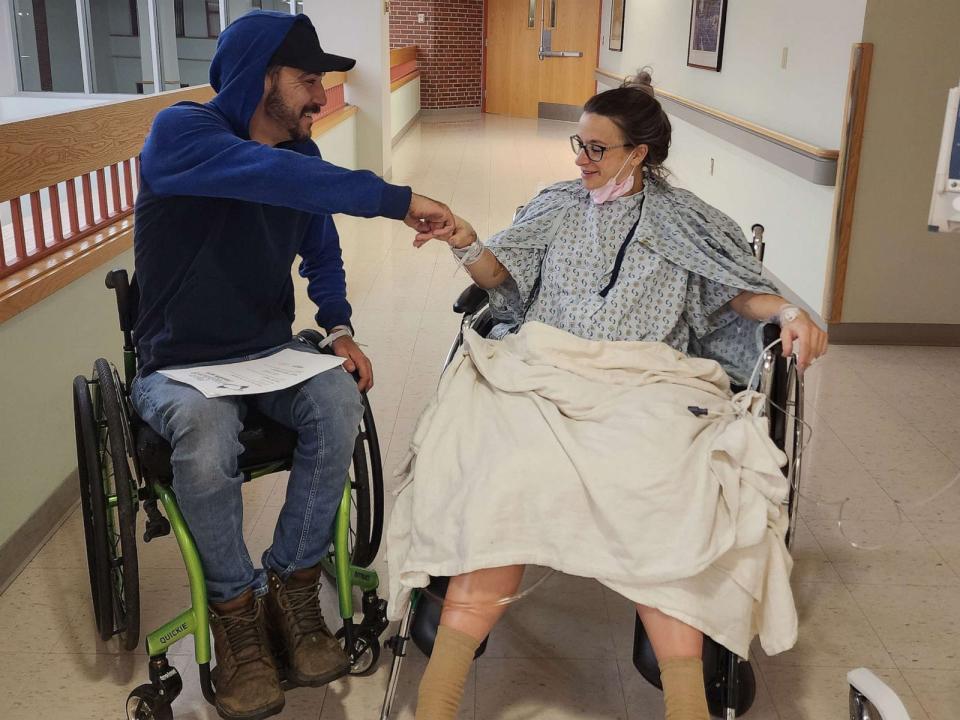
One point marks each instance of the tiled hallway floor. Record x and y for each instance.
(886, 425)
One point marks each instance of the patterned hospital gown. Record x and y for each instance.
(684, 263)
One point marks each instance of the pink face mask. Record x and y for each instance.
(611, 190)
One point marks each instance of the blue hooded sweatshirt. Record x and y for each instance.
(220, 218)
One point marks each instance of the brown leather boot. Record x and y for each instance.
(245, 677)
(313, 655)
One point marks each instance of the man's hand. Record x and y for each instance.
(356, 361)
(804, 332)
(431, 219)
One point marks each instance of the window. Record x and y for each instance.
(119, 58)
(213, 19)
(181, 24)
(116, 46)
(123, 18)
(48, 44)
(197, 18)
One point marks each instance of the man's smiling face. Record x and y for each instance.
(292, 100)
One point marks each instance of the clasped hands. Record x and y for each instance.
(434, 221)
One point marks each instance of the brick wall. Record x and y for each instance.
(451, 48)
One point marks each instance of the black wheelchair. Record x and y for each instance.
(124, 466)
(730, 681)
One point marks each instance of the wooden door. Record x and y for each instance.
(517, 80)
(512, 73)
(570, 81)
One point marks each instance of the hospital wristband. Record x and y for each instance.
(338, 332)
(468, 254)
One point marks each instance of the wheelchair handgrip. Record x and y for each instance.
(118, 281)
(470, 300)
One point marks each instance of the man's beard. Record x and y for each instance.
(288, 118)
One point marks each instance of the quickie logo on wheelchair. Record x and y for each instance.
(173, 633)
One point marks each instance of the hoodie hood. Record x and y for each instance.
(239, 66)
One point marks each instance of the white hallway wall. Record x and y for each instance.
(804, 100)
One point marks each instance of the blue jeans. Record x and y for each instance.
(325, 411)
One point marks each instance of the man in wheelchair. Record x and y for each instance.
(231, 192)
(603, 438)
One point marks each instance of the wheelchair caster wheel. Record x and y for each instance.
(146, 703)
(746, 693)
(365, 654)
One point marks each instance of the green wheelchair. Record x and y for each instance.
(124, 466)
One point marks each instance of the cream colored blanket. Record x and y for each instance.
(583, 456)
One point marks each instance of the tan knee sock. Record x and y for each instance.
(683, 691)
(441, 687)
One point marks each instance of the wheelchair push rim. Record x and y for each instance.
(120, 494)
(366, 497)
(93, 507)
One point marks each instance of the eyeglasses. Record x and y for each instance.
(594, 152)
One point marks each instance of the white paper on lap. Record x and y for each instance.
(250, 377)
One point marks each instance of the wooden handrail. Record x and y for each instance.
(88, 219)
(778, 137)
(399, 56)
(41, 152)
(400, 82)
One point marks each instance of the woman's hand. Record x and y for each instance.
(463, 234)
(798, 332)
(803, 336)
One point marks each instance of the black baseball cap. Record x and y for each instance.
(301, 49)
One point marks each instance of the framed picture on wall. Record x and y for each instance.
(705, 45)
(616, 25)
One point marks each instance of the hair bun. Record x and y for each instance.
(642, 81)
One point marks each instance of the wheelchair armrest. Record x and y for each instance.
(314, 337)
(470, 300)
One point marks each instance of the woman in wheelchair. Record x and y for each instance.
(594, 431)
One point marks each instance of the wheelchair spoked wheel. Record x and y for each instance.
(794, 440)
(93, 507)
(366, 502)
(119, 489)
(787, 430)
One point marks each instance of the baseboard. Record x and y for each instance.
(26, 541)
(440, 112)
(406, 128)
(930, 334)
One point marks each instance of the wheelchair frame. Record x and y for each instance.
(729, 679)
(113, 486)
